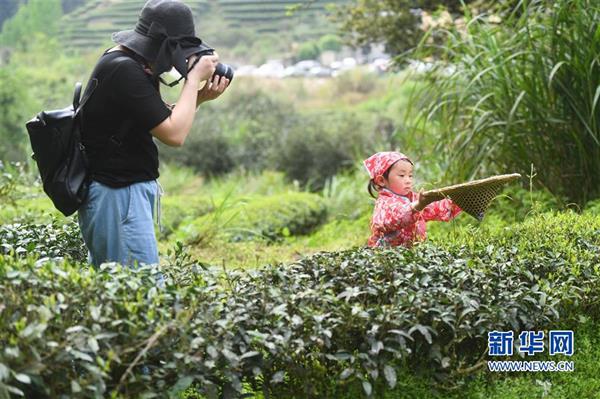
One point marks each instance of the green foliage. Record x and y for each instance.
(269, 218)
(179, 208)
(347, 196)
(70, 5)
(36, 16)
(36, 78)
(8, 184)
(53, 240)
(320, 146)
(7, 10)
(246, 32)
(237, 132)
(14, 101)
(593, 207)
(396, 23)
(308, 51)
(336, 235)
(355, 80)
(176, 179)
(330, 42)
(513, 205)
(517, 203)
(324, 325)
(208, 152)
(28, 208)
(244, 184)
(255, 131)
(525, 93)
(253, 121)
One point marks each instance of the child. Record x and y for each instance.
(400, 214)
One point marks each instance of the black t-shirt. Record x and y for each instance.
(126, 99)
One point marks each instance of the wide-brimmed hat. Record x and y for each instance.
(377, 164)
(164, 35)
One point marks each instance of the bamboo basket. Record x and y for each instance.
(475, 196)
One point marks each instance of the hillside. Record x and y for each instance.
(225, 22)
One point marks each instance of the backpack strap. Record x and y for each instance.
(78, 107)
(89, 89)
(76, 95)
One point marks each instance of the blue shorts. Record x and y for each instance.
(117, 224)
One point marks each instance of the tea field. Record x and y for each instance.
(269, 291)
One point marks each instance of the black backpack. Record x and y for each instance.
(60, 156)
(55, 138)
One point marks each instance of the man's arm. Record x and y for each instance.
(174, 130)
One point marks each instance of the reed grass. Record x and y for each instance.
(523, 93)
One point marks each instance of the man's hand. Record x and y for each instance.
(204, 69)
(212, 89)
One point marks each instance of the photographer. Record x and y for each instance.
(123, 115)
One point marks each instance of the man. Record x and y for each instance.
(121, 118)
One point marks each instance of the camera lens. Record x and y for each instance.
(224, 70)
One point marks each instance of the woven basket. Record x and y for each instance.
(473, 197)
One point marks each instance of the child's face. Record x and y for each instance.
(400, 178)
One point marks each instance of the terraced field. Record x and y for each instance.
(90, 25)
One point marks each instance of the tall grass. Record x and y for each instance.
(524, 92)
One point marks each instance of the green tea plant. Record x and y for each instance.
(270, 218)
(53, 240)
(593, 207)
(177, 208)
(8, 185)
(350, 317)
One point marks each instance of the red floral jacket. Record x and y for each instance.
(395, 223)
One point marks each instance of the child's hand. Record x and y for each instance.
(426, 199)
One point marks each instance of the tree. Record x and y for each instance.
(330, 42)
(399, 24)
(8, 8)
(37, 16)
(14, 102)
(308, 51)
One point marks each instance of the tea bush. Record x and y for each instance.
(347, 317)
(270, 218)
(8, 184)
(550, 231)
(177, 208)
(593, 207)
(53, 240)
(515, 203)
(37, 209)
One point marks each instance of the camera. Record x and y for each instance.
(224, 70)
(221, 69)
